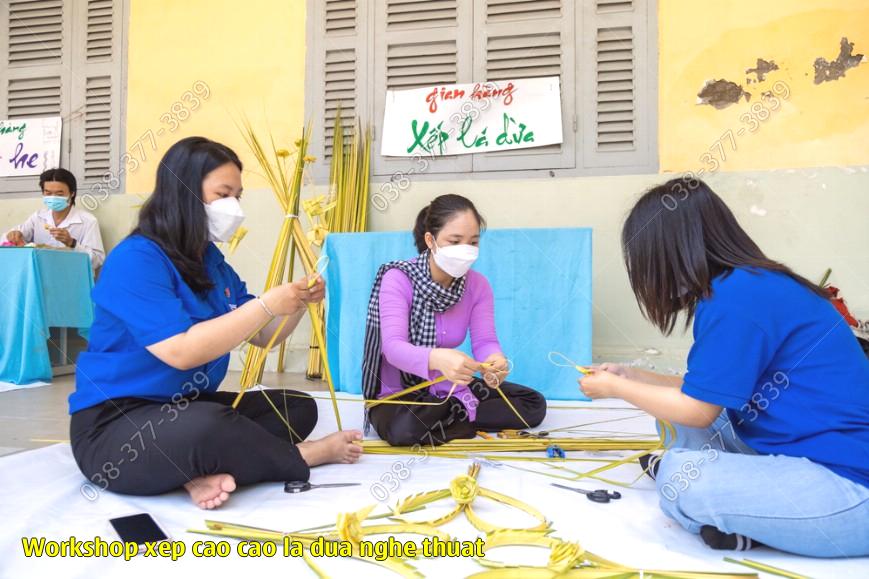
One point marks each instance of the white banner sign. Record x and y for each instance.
(29, 146)
(456, 119)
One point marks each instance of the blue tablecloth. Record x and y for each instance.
(541, 279)
(39, 289)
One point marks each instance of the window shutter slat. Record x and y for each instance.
(504, 10)
(528, 39)
(604, 6)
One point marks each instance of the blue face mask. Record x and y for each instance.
(55, 202)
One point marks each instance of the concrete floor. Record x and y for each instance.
(35, 417)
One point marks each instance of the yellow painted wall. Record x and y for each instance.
(251, 54)
(819, 125)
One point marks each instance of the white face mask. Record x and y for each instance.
(456, 260)
(224, 218)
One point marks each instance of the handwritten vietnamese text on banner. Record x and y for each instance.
(29, 146)
(458, 119)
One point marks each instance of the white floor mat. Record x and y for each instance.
(41, 497)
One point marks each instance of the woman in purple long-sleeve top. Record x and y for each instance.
(420, 311)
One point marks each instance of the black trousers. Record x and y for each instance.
(141, 447)
(433, 425)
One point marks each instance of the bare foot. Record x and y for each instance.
(209, 492)
(338, 447)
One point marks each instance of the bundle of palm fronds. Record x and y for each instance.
(348, 190)
(286, 183)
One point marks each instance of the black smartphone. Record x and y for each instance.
(140, 529)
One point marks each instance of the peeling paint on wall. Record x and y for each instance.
(721, 93)
(760, 70)
(826, 71)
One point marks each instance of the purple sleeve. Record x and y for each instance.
(484, 340)
(396, 294)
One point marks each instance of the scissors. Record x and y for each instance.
(598, 496)
(301, 486)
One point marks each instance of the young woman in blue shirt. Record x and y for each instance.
(772, 416)
(146, 414)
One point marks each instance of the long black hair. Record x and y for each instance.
(174, 216)
(436, 214)
(678, 238)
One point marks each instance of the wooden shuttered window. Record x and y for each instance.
(336, 72)
(618, 84)
(602, 50)
(64, 57)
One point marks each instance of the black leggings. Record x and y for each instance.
(141, 447)
(433, 425)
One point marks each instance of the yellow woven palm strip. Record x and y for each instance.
(542, 526)
(515, 445)
(321, 343)
(604, 421)
(268, 347)
(766, 568)
(310, 265)
(282, 417)
(567, 478)
(506, 400)
(614, 464)
(379, 402)
(406, 391)
(331, 525)
(414, 502)
(664, 427)
(568, 554)
(464, 489)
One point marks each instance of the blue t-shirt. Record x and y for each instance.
(141, 299)
(786, 366)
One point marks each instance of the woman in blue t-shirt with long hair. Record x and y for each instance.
(146, 414)
(772, 416)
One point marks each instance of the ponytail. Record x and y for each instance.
(433, 217)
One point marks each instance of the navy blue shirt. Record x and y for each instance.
(141, 299)
(787, 368)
